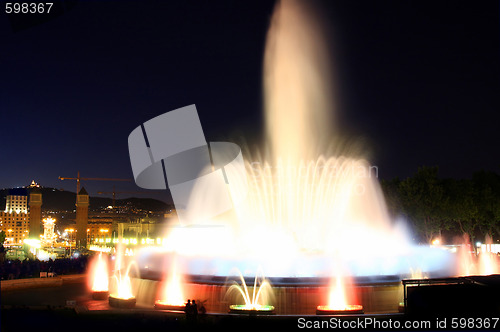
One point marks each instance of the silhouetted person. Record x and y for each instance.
(187, 308)
(194, 308)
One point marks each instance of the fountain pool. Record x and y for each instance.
(313, 214)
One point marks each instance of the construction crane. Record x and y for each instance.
(78, 179)
(114, 192)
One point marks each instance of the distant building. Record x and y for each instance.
(15, 226)
(82, 217)
(35, 213)
(100, 230)
(17, 201)
(14, 221)
(143, 227)
(34, 184)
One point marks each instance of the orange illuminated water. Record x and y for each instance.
(100, 276)
(341, 296)
(337, 299)
(483, 263)
(121, 277)
(172, 286)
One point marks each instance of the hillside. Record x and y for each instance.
(61, 200)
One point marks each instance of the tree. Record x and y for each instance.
(461, 207)
(431, 204)
(2, 248)
(487, 200)
(423, 201)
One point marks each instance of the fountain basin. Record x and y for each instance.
(162, 305)
(350, 309)
(100, 295)
(251, 310)
(291, 296)
(118, 302)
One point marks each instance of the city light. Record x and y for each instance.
(48, 237)
(33, 243)
(94, 247)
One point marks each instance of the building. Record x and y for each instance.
(35, 213)
(15, 225)
(100, 230)
(142, 227)
(14, 221)
(17, 201)
(82, 217)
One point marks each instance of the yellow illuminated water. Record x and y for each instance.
(261, 293)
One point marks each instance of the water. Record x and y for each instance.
(172, 292)
(261, 293)
(99, 273)
(298, 90)
(309, 207)
(121, 282)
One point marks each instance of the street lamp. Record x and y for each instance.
(70, 231)
(104, 232)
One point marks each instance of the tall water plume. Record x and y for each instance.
(308, 206)
(298, 89)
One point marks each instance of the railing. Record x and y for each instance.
(436, 281)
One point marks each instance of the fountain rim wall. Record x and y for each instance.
(383, 280)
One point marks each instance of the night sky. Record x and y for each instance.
(418, 80)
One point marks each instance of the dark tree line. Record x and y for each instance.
(433, 205)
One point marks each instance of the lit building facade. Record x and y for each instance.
(100, 230)
(15, 225)
(17, 221)
(14, 221)
(17, 201)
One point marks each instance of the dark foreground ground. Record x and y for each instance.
(23, 319)
(69, 308)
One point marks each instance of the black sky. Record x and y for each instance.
(419, 81)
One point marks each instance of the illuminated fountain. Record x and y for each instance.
(257, 303)
(172, 296)
(488, 263)
(338, 303)
(340, 297)
(313, 202)
(311, 199)
(484, 263)
(49, 236)
(122, 296)
(100, 283)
